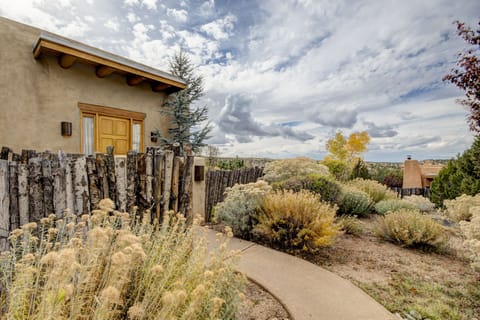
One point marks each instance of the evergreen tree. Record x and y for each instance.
(360, 170)
(186, 121)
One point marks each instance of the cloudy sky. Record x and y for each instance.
(281, 77)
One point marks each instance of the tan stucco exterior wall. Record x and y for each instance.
(37, 95)
(412, 175)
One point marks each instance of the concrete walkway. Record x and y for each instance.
(306, 290)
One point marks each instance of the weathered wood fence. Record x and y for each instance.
(217, 181)
(425, 192)
(34, 185)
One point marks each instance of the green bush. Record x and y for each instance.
(411, 229)
(339, 169)
(353, 201)
(326, 187)
(460, 176)
(296, 220)
(360, 170)
(231, 164)
(375, 190)
(350, 225)
(392, 205)
(471, 231)
(240, 205)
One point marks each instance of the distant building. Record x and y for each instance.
(419, 175)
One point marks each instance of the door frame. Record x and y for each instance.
(94, 111)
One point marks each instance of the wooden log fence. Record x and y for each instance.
(217, 181)
(36, 184)
(404, 192)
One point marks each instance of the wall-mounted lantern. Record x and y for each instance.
(66, 128)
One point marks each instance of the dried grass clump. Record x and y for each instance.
(281, 170)
(354, 201)
(458, 209)
(374, 189)
(326, 187)
(240, 204)
(296, 220)
(350, 225)
(471, 230)
(411, 229)
(420, 203)
(109, 267)
(392, 205)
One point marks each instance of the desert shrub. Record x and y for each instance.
(350, 225)
(459, 176)
(338, 168)
(375, 190)
(411, 229)
(392, 205)
(296, 220)
(231, 164)
(354, 201)
(239, 206)
(281, 170)
(471, 230)
(360, 170)
(420, 203)
(459, 208)
(109, 267)
(387, 175)
(326, 187)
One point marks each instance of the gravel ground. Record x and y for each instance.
(261, 305)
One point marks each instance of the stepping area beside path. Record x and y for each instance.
(306, 290)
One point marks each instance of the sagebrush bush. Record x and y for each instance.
(326, 187)
(296, 220)
(350, 225)
(109, 267)
(281, 170)
(421, 203)
(353, 201)
(374, 189)
(392, 205)
(471, 230)
(240, 205)
(411, 229)
(458, 209)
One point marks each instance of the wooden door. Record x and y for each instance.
(114, 132)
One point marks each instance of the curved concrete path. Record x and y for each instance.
(306, 290)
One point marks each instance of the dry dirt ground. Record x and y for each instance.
(260, 305)
(430, 285)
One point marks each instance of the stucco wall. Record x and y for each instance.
(36, 95)
(412, 175)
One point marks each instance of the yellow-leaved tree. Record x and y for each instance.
(344, 153)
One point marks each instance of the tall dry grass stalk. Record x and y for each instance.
(109, 266)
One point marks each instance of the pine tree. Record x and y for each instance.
(186, 121)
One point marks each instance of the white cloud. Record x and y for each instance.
(132, 17)
(112, 24)
(220, 29)
(179, 15)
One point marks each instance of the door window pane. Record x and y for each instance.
(88, 136)
(136, 139)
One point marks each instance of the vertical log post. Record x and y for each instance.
(131, 178)
(23, 193)
(102, 176)
(59, 184)
(175, 184)
(35, 191)
(121, 183)
(158, 183)
(47, 183)
(13, 190)
(149, 177)
(93, 182)
(80, 186)
(167, 182)
(4, 205)
(69, 164)
(111, 179)
(185, 205)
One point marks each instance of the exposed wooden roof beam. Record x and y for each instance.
(157, 87)
(66, 61)
(103, 71)
(134, 80)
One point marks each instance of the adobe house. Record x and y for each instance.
(60, 94)
(419, 175)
